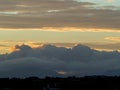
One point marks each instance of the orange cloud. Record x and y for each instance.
(15, 48)
(65, 29)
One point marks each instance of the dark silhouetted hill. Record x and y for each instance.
(58, 83)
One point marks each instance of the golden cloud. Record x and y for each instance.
(113, 38)
(64, 29)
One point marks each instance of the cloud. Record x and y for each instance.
(110, 0)
(39, 14)
(105, 46)
(49, 60)
(113, 38)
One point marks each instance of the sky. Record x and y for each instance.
(37, 34)
(89, 22)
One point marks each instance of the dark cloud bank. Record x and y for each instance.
(50, 60)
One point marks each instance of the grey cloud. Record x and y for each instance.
(50, 60)
(62, 13)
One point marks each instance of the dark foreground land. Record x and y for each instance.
(57, 83)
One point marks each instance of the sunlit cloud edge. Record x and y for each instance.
(65, 29)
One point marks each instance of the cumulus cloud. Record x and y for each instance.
(37, 14)
(49, 60)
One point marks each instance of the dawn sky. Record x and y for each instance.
(95, 23)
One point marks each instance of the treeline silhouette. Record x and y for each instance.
(59, 83)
